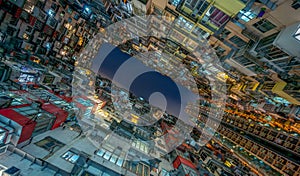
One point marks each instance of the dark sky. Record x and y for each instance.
(140, 79)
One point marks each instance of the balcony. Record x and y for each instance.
(279, 90)
(250, 34)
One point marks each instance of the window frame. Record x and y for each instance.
(264, 24)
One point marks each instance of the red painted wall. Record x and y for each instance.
(60, 114)
(27, 125)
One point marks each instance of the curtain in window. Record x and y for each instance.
(218, 17)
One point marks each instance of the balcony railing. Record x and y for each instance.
(250, 34)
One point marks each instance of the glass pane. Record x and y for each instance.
(113, 158)
(146, 170)
(146, 149)
(120, 162)
(140, 169)
(67, 155)
(74, 158)
(100, 152)
(133, 167)
(107, 155)
(138, 144)
(105, 174)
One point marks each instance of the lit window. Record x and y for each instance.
(174, 2)
(62, 14)
(120, 162)
(247, 15)
(113, 158)
(51, 12)
(297, 34)
(107, 155)
(100, 152)
(29, 6)
(183, 23)
(264, 25)
(25, 36)
(70, 156)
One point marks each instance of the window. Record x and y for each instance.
(50, 144)
(107, 155)
(216, 17)
(174, 2)
(38, 25)
(10, 30)
(25, 16)
(70, 156)
(266, 41)
(177, 36)
(2, 136)
(139, 169)
(69, 10)
(110, 155)
(191, 3)
(14, 21)
(203, 156)
(120, 162)
(29, 5)
(54, 6)
(113, 158)
(264, 25)
(27, 111)
(42, 16)
(247, 15)
(224, 34)
(183, 23)
(76, 16)
(201, 7)
(62, 14)
(297, 34)
(40, 4)
(26, 36)
(237, 41)
(164, 172)
(51, 22)
(3, 150)
(100, 152)
(29, 29)
(200, 32)
(141, 146)
(219, 51)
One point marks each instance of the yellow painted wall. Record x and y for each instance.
(230, 7)
(278, 89)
